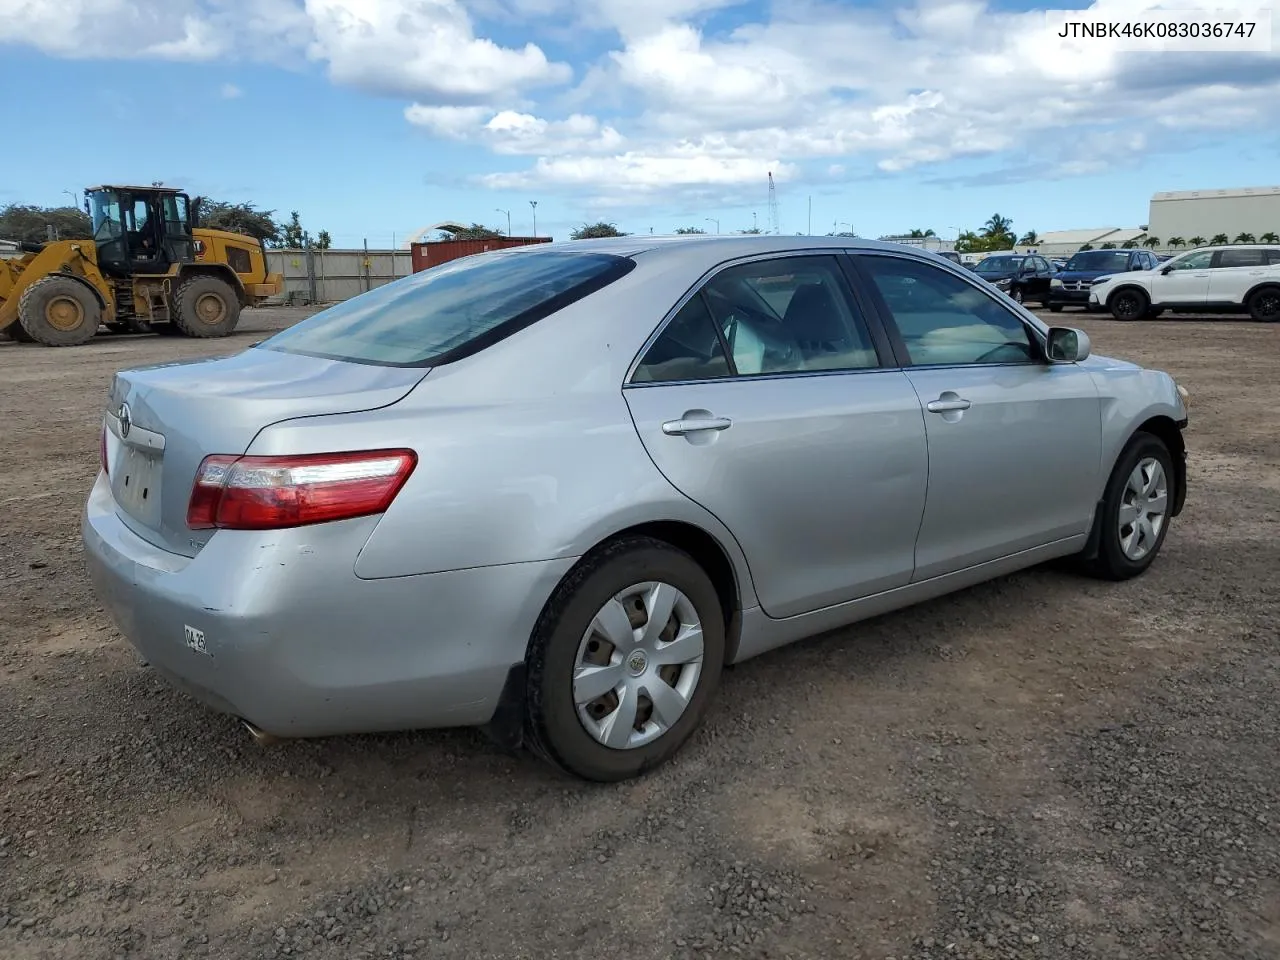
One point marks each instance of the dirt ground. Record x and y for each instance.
(1042, 767)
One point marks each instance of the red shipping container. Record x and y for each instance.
(435, 252)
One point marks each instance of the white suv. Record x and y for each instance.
(1232, 279)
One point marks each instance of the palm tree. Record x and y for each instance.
(998, 227)
(1128, 244)
(1151, 242)
(1107, 246)
(1084, 247)
(1269, 237)
(917, 234)
(1030, 238)
(1196, 241)
(1218, 239)
(1176, 242)
(1244, 238)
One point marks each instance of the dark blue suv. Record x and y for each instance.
(1071, 286)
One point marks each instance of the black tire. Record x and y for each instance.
(205, 306)
(1264, 305)
(1110, 562)
(1129, 304)
(59, 312)
(15, 331)
(1015, 294)
(553, 729)
(1055, 308)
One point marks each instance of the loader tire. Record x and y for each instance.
(205, 307)
(59, 312)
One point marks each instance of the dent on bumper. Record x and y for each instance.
(296, 644)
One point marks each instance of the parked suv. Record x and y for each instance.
(1071, 286)
(1241, 278)
(1021, 277)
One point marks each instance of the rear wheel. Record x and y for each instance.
(1264, 305)
(1129, 304)
(1055, 308)
(1133, 518)
(624, 661)
(205, 306)
(59, 312)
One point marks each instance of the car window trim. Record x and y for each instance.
(886, 318)
(886, 359)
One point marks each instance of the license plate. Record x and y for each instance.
(137, 484)
(195, 640)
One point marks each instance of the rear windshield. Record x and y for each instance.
(450, 311)
(999, 264)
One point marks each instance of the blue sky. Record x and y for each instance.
(374, 118)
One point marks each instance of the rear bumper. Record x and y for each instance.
(298, 645)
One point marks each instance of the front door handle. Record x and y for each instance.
(679, 428)
(945, 406)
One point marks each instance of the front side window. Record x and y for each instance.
(453, 310)
(945, 321)
(1200, 260)
(108, 221)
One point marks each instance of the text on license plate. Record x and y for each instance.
(195, 640)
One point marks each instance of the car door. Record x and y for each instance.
(1184, 280)
(769, 399)
(1234, 273)
(1015, 443)
(1042, 276)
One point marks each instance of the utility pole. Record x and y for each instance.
(534, 204)
(508, 213)
(754, 225)
(716, 222)
(775, 225)
(811, 215)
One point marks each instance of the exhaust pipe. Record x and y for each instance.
(261, 737)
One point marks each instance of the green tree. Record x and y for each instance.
(1107, 246)
(239, 218)
(1151, 242)
(291, 236)
(917, 234)
(999, 232)
(1087, 246)
(323, 240)
(1030, 239)
(756, 230)
(474, 232)
(32, 223)
(1218, 239)
(684, 230)
(1196, 241)
(1176, 242)
(1244, 238)
(592, 231)
(1269, 237)
(1129, 245)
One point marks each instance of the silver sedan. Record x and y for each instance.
(553, 491)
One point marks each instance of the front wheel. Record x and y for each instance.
(1133, 519)
(205, 306)
(1055, 308)
(624, 661)
(1129, 305)
(59, 311)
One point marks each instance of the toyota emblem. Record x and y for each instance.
(126, 421)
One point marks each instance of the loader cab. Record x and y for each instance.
(140, 230)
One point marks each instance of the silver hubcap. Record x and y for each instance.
(1143, 508)
(638, 665)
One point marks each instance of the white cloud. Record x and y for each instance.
(230, 91)
(672, 101)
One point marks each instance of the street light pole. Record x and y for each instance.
(716, 222)
(534, 204)
(508, 213)
(75, 201)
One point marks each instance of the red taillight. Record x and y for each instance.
(102, 449)
(269, 493)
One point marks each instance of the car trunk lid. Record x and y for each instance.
(163, 420)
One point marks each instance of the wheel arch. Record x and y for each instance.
(219, 270)
(84, 282)
(1125, 287)
(1259, 287)
(1166, 429)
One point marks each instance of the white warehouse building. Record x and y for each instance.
(1207, 213)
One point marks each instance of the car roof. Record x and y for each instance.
(709, 247)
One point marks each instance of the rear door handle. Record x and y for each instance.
(944, 406)
(679, 428)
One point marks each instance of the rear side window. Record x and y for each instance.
(451, 311)
(1242, 258)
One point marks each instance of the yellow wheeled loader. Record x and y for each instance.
(149, 267)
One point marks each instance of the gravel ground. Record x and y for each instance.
(1041, 767)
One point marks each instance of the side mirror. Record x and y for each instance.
(1067, 345)
(1165, 271)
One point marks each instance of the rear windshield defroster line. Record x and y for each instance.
(451, 311)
